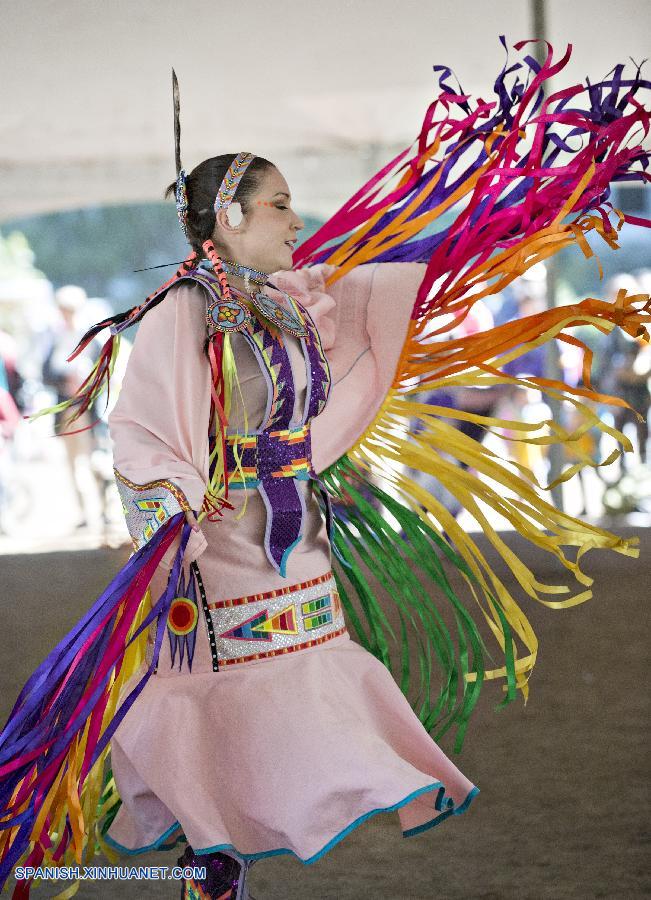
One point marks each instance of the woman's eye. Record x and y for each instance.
(282, 207)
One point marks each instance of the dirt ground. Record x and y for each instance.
(564, 781)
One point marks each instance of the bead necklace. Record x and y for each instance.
(249, 274)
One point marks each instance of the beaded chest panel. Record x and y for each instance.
(276, 456)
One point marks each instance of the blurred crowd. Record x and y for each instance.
(53, 474)
(621, 367)
(50, 480)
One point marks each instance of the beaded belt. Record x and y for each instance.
(284, 453)
(264, 625)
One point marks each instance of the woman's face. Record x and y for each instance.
(266, 236)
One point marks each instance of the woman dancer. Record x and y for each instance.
(256, 415)
(261, 579)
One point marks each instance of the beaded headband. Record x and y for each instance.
(225, 194)
(232, 178)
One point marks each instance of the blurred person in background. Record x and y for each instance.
(65, 378)
(624, 370)
(101, 458)
(10, 417)
(586, 446)
(528, 296)
(631, 373)
(10, 378)
(481, 401)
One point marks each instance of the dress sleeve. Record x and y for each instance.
(362, 319)
(159, 424)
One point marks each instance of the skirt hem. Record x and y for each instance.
(450, 810)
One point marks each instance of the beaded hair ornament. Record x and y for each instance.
(181, 192)
(225, 193)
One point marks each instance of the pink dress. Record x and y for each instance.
(289, 749)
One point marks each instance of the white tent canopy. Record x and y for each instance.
(326, 89)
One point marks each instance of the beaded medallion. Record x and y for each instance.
(182, 616)
(227, 315)
(284, 318)
(182, 619)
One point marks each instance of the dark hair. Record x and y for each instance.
(204, 181)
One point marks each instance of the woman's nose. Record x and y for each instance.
(298, 223)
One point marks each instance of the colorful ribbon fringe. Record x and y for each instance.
(496, 187)
(54, 745)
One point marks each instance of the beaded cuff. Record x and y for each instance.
(148, 506)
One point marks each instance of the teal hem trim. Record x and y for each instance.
(157, 845)
(438, 786)
(451, 811)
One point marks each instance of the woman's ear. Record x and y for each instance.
(230, 218)
(234, 215)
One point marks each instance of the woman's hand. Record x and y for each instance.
(192, 520)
